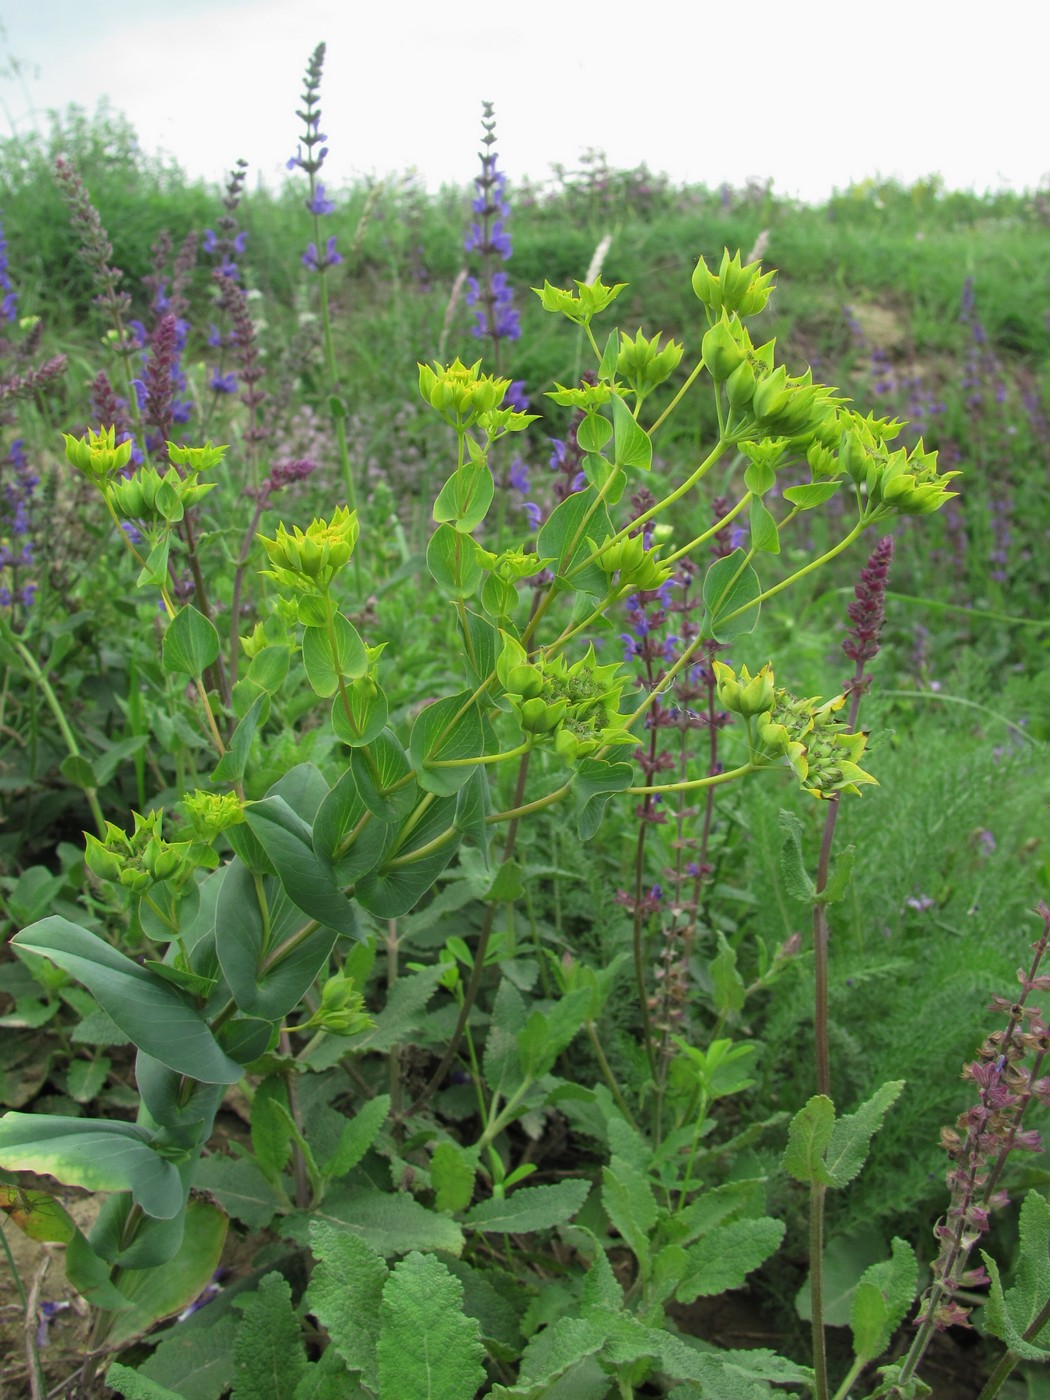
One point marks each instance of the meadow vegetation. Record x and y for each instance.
(523, 742)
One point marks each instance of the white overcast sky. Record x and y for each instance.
(824, 94)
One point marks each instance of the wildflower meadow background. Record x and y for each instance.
(523, 734)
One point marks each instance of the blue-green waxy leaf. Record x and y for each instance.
(191, 643)
(161, 1292)
(407, 871)
(563, 540)
(593, 433)
(332, 656)
(632, 447)
(814, 493)
(360, 713)
(730, 587)
(346, 833)
(602, 475)
(269, 667)
(449, 729)
(764, 532)
(307, 878)
(261, 983)
(384, 777)
(595, 782)
(453, 562)
(149, 1010)
(98, 1154)
(464, 500)
(759, 478)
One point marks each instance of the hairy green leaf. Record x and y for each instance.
(268, 1352)
(528, 1208)
(428, 1348)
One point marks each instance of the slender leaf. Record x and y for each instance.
(148, 1009)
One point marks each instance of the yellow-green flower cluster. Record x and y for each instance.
(815, 742)
(899, 482)
(309, 559)
(639, 568)
(582, 305)
(96, 455)
(142, 859)
(643, 364)
(744, 289)
(577, 706)
(150, 495)
(342, 1010)
(462, 394)
(212, 812)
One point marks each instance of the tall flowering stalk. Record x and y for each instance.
(490, 292)
(867, 613)
(321, 254)
(1008, 1075)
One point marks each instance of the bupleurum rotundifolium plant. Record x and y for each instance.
(253, 919)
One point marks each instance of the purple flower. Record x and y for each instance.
(320, 203)
(535, 515)
(318, 262)
(223, 383)
(8, 308)
(518, 476)
(516, 397)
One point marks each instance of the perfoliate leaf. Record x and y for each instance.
(332, 656)
(159, 1292)
(764, 532)
(814, 493)
(157, 1017)
(631, 446)
(452, 559)
(191, 643)
(731, 587)
(427, 1349)
(464, 499)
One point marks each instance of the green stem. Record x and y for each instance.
(799, 573)
(851, 1375)
(677, 398)
(608, 1076)
(477, 971)
(37, 673)
(691, 784)
(816, 1281)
